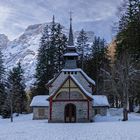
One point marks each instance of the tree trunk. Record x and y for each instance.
(131, 103)
(117, 105)
(125, 88)
(125, 115)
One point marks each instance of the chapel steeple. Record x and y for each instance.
(71, 55)
(70, 41)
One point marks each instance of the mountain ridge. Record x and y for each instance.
(25, 49)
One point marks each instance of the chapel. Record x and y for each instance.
(71, 93)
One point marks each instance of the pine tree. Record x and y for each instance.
(17, 89)
(53, 49)
(6, 110)
(128, 37)
(2, 84)
(50, 60)
(2, 95)
(127, 55)
(58, 43)
(43, 61)
(61, 41)
(128, 40)
(82, 45)
(97, 61)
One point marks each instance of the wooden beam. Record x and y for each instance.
(69, 87)
(88, 110)
(51, 109)
(71, 100)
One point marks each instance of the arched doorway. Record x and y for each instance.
(70, 113)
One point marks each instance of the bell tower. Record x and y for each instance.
(71, 56)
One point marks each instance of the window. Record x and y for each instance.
(72, 72)
(97, 111)
(41, 112)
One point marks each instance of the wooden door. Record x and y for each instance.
(70, 113)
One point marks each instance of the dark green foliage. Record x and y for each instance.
(42, 71)
(17, 89)
(52, 50)
(2, 96)
(128, 55)
(50, 56)
(82, 45)
(6, 110)
(128, 37)
(97, 61)
(16, 96)
(58, 43)
(61, 42)
(2, 85)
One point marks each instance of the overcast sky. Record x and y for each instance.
(94, 15)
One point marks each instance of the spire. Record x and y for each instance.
(53, 19)
(70, 41)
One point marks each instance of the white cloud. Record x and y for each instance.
(16, 15)
(4, 14)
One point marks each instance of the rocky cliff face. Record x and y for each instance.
(24, 49)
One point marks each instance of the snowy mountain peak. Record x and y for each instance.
(25, 49)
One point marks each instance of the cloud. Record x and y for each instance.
(16, 15)
(4, 14)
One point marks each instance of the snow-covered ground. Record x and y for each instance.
(104, 128)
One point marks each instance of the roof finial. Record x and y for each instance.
(70, 41)
(53, 20)
(70, 17)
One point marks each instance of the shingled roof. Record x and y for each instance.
(86, 93)
(73, 70)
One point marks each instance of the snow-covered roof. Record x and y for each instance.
(81, 78)
(58, 84)
(85, 75)
(76, 81)
(71, 69)
(100, 100)
(51, 80)
(71, 54)
(40, 100)
(81, 87)
(70, 46)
